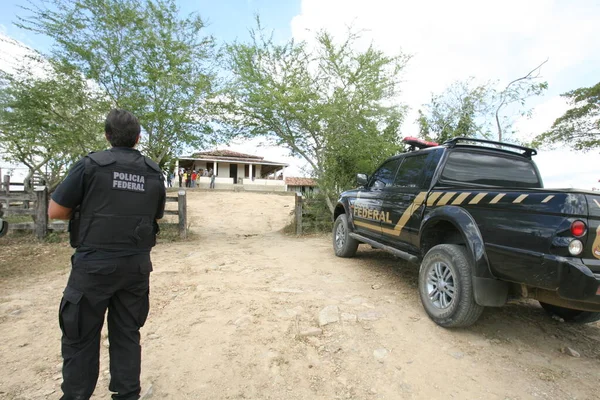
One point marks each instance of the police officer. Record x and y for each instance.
(113, 199)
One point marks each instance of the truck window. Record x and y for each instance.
(417, 171)
(384, 176)
(410, 173)
(479, 168)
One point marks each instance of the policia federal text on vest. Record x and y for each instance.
(117, 219)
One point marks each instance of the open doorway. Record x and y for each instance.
(233, 172)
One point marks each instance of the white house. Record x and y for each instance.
(233, 168)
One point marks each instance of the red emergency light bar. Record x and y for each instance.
(418, 143)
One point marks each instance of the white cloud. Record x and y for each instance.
(452, 40)
(567, 169)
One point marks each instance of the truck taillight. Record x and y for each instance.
(578, 228)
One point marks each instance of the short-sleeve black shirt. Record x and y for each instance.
(70, 194)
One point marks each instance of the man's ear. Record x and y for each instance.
(138, 139)
(106, 137)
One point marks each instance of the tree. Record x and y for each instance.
(580, 125)
(461, 110)
(146, 58)
(469, 110)
(517, 92)
(332, 106)
(49, 117)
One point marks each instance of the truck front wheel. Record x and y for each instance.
(446, 287)
(343, 244)
(570, 315)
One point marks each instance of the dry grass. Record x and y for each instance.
(22, 254)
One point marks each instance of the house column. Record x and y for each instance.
(250, 170)
(216, 169)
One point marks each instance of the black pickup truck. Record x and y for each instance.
(475, 216)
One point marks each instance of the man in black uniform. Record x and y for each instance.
(113, 199)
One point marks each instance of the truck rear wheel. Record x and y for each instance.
(343, 244)
(570, 315)
(446, 287)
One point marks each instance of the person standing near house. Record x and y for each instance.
(194, 176)
(113, 199)
(180, 174)
(169, 181)
(212, 178)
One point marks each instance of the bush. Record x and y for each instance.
(316, 217)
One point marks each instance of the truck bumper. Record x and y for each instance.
(578, 286)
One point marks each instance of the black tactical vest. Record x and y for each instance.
(121, 202)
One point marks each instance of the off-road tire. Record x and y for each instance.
(3, 227)
(570, 315)
(448, 267)
(343, 244)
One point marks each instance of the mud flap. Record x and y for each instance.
(68, 316)
(490, 292)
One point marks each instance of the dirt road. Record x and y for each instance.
(235, 315)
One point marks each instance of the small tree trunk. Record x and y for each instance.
(298, 212)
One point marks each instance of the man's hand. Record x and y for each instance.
(56, 211)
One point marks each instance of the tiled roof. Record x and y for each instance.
(226, 153)
(293, 181)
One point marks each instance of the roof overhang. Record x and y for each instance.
(234, 160)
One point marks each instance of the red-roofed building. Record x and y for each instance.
(301, 185)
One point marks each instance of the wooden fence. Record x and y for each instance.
(26, 203)
(36, 205)
(181, 211)
(309, 217)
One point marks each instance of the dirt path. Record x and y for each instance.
(234, 315)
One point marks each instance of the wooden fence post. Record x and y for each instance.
(41, 212)
(5, 187)
(5, 184)
(182, 212)
(298, 212)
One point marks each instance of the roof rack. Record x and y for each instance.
(528, 152)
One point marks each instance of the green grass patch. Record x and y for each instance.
(169, 233)
(17, 218)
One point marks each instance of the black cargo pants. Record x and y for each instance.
(121, 286)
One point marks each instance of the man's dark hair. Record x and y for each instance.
(122, 128)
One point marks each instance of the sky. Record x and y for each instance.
(448, 41)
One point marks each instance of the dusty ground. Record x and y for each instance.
(229, 310)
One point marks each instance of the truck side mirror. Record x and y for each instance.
(362, 179)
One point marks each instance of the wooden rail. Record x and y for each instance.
(18, 203)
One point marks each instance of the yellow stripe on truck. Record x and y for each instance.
(446, 198)
(367, 225)
(410, 210)
(433, 197)
(520, 198)
(497, 198)
(477, 198)
(461, 197)
(548, 198)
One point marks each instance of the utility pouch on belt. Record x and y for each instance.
(74, 223)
